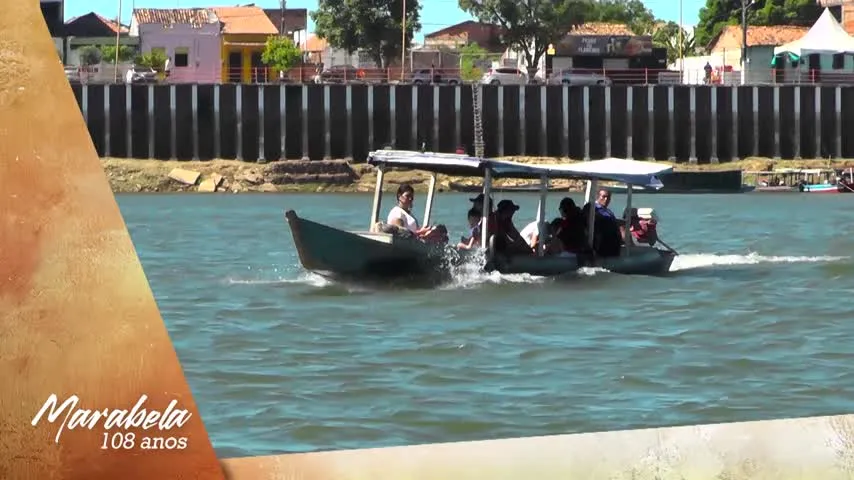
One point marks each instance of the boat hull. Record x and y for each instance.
(820, 188)
(382, 257)
(776, 189)
(640, 260)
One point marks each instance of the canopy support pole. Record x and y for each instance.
(431, 192)
(592, 187)
(484, 215)
(541, 214)
(378, 197)
(627, 219)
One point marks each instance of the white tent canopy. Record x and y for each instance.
(826, 36)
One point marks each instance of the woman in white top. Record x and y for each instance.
(401, 214)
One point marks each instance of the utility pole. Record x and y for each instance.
(118, 37)
(282, 18)
(403, 43)
(681, 45)
(745, 4)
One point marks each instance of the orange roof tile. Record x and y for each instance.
(180, 16)
(245, 20)
(730, 36)
(113, 25)
(601, 28)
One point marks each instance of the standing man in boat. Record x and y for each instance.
(606, 229)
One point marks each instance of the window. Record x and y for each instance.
(839, 61)
(182, 57)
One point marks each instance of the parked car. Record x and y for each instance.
(575, 78)
(72, 74)
(430, 75)
(505, 76)
(338, 74)
(138, 74)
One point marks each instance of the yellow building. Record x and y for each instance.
(244, 34)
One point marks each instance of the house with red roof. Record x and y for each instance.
(93, 30)
(188, 37)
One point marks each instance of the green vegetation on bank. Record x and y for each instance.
(143, 175)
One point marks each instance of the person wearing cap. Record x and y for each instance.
(477, 202)
(643, 231)
(507, 237)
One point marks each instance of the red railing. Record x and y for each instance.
(354, 75)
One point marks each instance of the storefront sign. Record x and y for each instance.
(604, 46)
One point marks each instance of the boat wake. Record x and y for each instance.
(471, 275)
(697, 261)
(304, 278)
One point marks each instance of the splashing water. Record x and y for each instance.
(704, 260)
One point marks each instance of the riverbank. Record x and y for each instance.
(234, 176)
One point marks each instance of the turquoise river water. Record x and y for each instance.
(754, 323)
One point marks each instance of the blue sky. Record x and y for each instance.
(435, 14)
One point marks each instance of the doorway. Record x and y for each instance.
(235, 66)
(259, 70)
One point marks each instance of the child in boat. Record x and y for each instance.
(644, 231)
(473, 239)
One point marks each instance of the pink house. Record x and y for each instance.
(190, 38)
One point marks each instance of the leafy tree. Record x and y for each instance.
(89, 55)
(108, 53)
(472, 57)
(717, 14)
(280, 53)
(632, 13)
(154, 59)
(530, 26)
(668, 36)
(788, 12)
(373, 26)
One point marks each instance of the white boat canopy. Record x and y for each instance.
(826, 36)
(632, 172)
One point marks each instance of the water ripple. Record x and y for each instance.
(752, 323)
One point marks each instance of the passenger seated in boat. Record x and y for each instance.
(643, 230)
(606, 231)
(401, 216)
(571, 228)
(477, 204)
(603, 200)
(473, 240)
(507, 237)
(552, 244)
(531, 233)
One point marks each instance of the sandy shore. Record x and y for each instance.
(232, 176)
